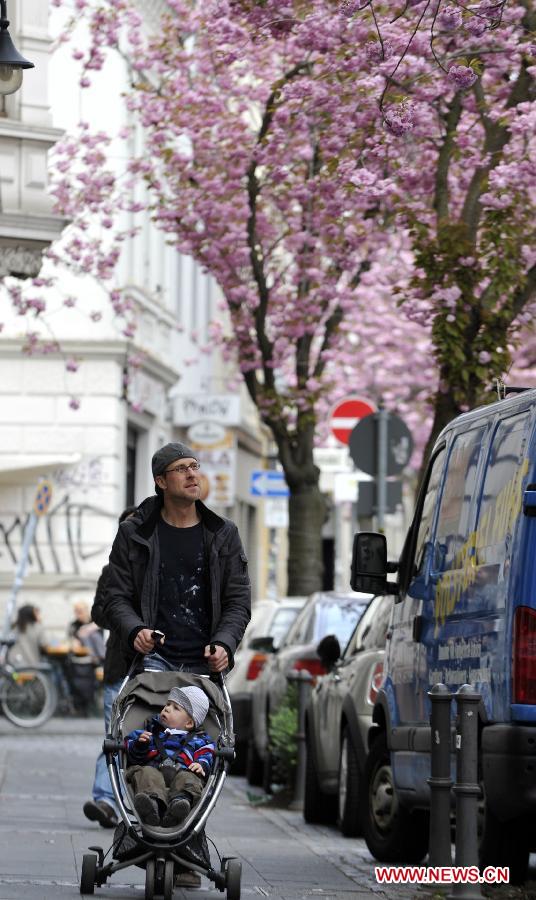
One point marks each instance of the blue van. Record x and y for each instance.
(464, 612)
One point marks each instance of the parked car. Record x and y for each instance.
(324, 613)
(338, 719)
(273, 619)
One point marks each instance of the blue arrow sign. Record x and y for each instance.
(267, 483)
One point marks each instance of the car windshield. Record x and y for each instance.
(338, 619)
(281, 623)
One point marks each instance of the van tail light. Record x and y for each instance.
(314, 666)
(256, 666)
(375, 682)
(524, 656)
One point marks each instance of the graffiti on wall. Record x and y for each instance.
(86, 476)
(65, 538)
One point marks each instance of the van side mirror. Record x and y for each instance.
(369, 563)
(329, 651)
(264, 644)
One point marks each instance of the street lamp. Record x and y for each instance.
(11, 62)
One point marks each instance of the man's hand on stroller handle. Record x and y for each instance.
(146, 639)
(217, 658)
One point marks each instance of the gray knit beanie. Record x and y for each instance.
(193, 700)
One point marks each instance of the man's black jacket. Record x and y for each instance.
(132, 583)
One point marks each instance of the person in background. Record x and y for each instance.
(85, 633)
(87, 652)
(30, 638)
(102, 808)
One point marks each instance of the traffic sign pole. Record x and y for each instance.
(381, 430)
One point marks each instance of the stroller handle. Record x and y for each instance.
(216, 677)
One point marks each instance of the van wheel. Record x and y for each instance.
(254, 767)
(392, 833)
(349, 788)
(318, 808)
(505, 844)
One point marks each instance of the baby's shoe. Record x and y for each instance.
(147, 809)
(177, 811)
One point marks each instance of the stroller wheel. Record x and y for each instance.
(149, 879)
(233, 876)
(89, 871)
(169, 875)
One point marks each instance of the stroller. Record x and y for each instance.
(164, 852)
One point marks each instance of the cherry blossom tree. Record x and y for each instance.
(356, 176)
(253, 173)
(465, 190)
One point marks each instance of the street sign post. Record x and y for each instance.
(268, 483)
(381, 445)
(364, 442)
(346, 414)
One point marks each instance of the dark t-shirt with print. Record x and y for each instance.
(184, 597)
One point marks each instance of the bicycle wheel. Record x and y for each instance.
(27, 697)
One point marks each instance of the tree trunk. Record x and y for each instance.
(307, 510)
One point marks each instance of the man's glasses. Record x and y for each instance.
(182, 470)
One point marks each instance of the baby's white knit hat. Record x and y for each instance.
(193, 700)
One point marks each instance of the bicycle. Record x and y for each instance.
(27, 696)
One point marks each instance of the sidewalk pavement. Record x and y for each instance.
(46, 775)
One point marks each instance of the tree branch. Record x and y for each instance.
(441, 194)
(497, 136)
(255, 249)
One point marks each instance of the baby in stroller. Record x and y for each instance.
(163, 798)
(170, 762)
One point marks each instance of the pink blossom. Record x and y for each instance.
(450, 18)
(399, 119)
(74, 403)
(462, 76)
(349, 7)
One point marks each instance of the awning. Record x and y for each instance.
(26, 468)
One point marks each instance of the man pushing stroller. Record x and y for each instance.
(169, 763)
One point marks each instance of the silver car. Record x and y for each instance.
(272, 618)
(338, 719)
(326, 612)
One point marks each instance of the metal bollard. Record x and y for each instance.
(440, 782)
(466, 789)
(304, 680)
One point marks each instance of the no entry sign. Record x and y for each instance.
(346, 414)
